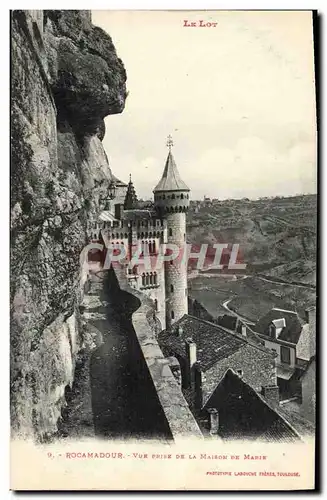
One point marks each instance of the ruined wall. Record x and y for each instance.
(66, 77)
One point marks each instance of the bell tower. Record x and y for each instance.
(171, 197)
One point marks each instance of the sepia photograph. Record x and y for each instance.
(163, 250)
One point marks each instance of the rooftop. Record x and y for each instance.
(244, 413)
(213, 341)
(171, 179)
(291, 331)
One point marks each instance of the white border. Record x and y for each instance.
(4, 198)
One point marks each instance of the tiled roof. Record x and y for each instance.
(171, 180)
(290, 333)
(213, 342)
(233, 396)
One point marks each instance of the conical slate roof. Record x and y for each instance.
(171, 180)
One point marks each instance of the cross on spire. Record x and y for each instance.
(169, 142)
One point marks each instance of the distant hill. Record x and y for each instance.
(277, 239)
(277, 236)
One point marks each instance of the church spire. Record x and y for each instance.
(130, 199)
(170, 180)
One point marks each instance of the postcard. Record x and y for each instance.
(163, 250)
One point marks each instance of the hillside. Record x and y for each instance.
(277, 239)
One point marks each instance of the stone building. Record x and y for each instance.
(148, 232)
(236, 411)
(206, 350)
(293, 340)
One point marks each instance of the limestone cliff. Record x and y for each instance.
(66, 77)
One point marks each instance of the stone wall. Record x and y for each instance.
(66, 77)
(176, 271)
(176, 411)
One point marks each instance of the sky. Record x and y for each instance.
(238, 100)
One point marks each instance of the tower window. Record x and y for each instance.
(156, 304)
(182, 196)
(155, 277)
(170, 231)
(172, 315)
(163, 197)
(171, 288)
(173, 196)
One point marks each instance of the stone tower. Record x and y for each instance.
(130, 199)
(171, 197)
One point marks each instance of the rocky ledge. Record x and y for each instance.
(66, 77)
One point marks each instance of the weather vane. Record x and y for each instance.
(169, 142)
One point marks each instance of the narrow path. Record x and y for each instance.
(241, 318)
(124, 401)
(289, 283)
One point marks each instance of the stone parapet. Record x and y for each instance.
(181, 421)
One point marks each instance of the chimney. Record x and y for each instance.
(310, 314)
(271, 395)
(191, 359)
(197, 386)
(213, 421)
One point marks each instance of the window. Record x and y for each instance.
(156, 304)
(170, 231)
(285, 355)
(171, 288)
(172, 315)
(155, 277)
(182, 196)
(143, 279)
(173, 196)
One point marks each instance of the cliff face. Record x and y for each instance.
(66, 77)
